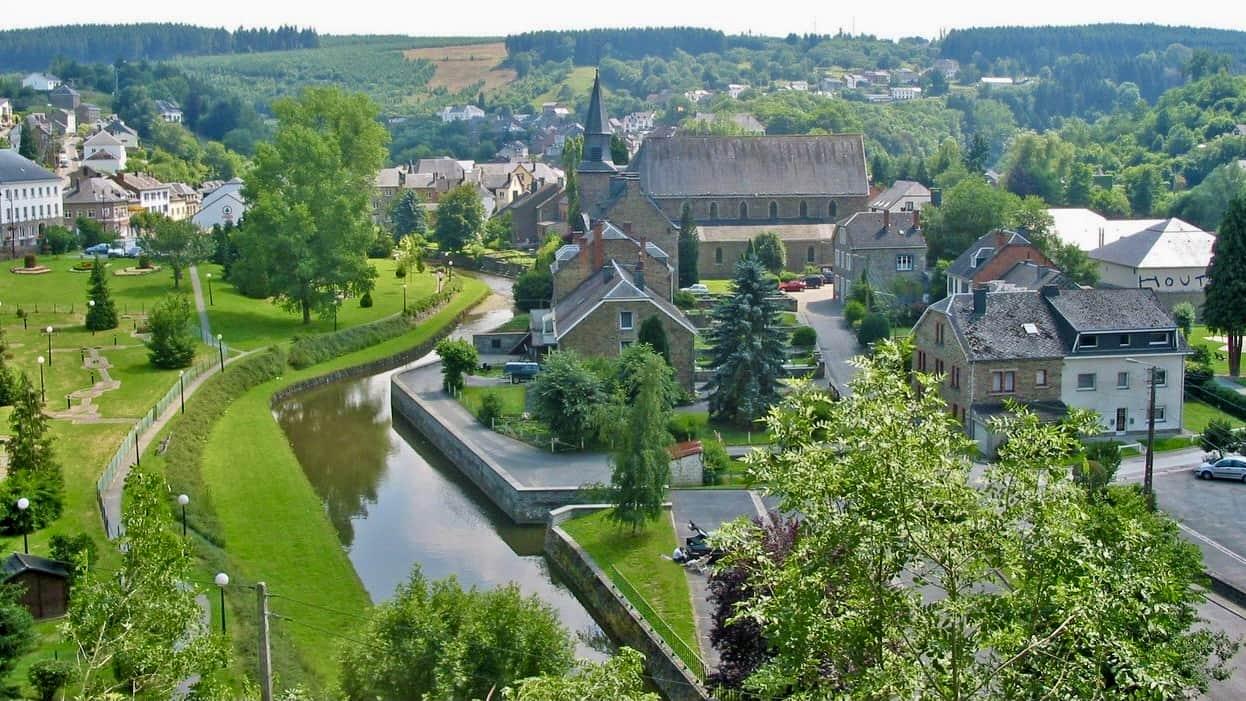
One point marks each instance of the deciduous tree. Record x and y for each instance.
(620, 678)
(177, 244)
(1223, 309)
(460, 215)
(768, 249)
(747, 348)
(17, 629)
(458, 357)
(652, 333)
(565, 395)
(640, 467)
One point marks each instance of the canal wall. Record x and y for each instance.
(613, 611)
(523, 504)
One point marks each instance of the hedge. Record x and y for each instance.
(1223, 398)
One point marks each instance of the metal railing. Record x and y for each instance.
(689, 654)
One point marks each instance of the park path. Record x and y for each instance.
(205, 325)
(110, 498)
(86, 411)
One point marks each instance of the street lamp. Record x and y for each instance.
(450, 263)
(1148, 486)
(211, 302)
(22, 505)
(49, 330)
(404, 298)
(90, 308)
(222, 581)
(181, 383)
(43, 390)
(182, 501)
(220, 350)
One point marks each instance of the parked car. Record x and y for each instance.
(1230, 466)
(116, 252)
(828, 275)
(99, 249)
(792, 285)
(520, 371)
(133, 251)
(813, 282)
(696, 289)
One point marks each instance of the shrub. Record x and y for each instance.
(854, 311)
(1219, 436)
(804, 337)
(1224, 399)
(1103, 459)
(714, 461)
(685, 427)
(400, 271)
(457, 358)
(490, 408)
(366, 300)
(144, 261)
(58, 240)
(1184, 314)
(48, 676)
(29, 260)
(382, 245)
(172, 345)
(685, 300)
(786, 276)
(874, 327)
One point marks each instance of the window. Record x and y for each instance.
(495, 343)
(955, 379)
(904, 262)
(625, 321)
(1123, 340)
(1159, 339)
(1040, 378)
(1160, 377)
(1086, 381)
(921, 361)
(1160, 415)
(1088, 341)
(811, 255)
(774, 210)
(938, 366)
(832, 210)
(718, 255)
(744, 210)
(1122, 380)
(623, 345)
(713, 210)
(804, 210)
(939, 333)
(594, 153)
(1003, 381)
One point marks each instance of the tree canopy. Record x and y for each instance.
(460, 214)
(640, 466)
(1223, 309)
(747, 347)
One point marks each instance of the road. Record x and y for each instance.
(836, 341)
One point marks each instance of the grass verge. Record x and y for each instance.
(512, 398)
(1196, 415)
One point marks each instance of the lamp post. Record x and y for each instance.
(22, 505)
(222, 581)
(49, 330)
(220, 351)
(181, 383)
(404, 298)
(43, 390)
(211, 302)
(450, 266)
(90, 308)
(1148, 474)
(182, 501)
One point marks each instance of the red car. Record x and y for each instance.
(792, 285)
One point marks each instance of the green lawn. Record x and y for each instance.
(273, 522)
(252, 323)
(519, 322)
(638, 558)
(698, 423)
(718, 287)
(513, 397)
(1196, 414)
(1198, 336)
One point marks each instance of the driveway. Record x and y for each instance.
(835, 340)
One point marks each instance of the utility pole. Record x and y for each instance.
(1148, 476)
(266, 664)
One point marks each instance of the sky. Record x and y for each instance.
(495, 18)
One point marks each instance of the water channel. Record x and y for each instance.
(396, 501)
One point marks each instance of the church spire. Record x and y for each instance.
(596, 122)
(596, 134)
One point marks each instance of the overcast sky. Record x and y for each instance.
(494, 18)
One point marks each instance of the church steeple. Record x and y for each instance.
(596, 122)
(596, 134)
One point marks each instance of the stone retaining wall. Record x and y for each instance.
(612, 610)
(524, 505)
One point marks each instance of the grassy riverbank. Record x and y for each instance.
(274, 528)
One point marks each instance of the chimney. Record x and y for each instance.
(999, 238)
(1050, 291)
(627, 228)
(583, 254)
(599, 247)
(607, 272)
(639, 276)
(886, 218)
(917, 218)
(979, 299)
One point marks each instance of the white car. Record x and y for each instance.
(1230, 466)
(696, 289)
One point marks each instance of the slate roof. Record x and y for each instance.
(596, 122)
(864, 230)
(387, 177)
(139, 181)
(534, 199)
(750, 166)
(447, 168)
(1026, 274)
(898, 191)
(102, 138)
(117, 126)
(984, 249)
(599, 287)
(1112, 310)
(785, 232)
(1089, 230)
(18, 563)
(1171, 243)
(16, 169)
(999, 334)
(96, 190)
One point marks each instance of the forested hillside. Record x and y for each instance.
(34, 49)
(587, 47)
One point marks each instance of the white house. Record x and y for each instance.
(221, 206)
(1170, 257)
(466, 113)
(905, 93)
(169, 111)
(30, 199)
(41, 82)
(6, 111)
(127, 136)
(734, 90)
(104, 153)
(1089, 230)
(145, 191)
(902, 196)
(995, 80)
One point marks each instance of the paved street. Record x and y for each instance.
(835, 340)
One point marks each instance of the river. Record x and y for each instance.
(397, 502)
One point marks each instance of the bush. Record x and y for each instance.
(172, 345)
(786, 276)
(366, 300)
(29, 260)
(144, 261)
(874, 327)
(714, 461)
(533, 290)
(685, 427)
(382, 246)
(685, 300)
(1184, 314)
(854, 311)
(804, 337)
(458, 358)
(1223, 398)
(400, 271)
(1219, 436)
(48, 676)
(58, 240)
(490, 409)
(1103, 459)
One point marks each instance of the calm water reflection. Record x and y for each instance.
(397, 502)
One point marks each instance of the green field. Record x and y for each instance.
(1198, 336)
(580, 81)
(1196, 415)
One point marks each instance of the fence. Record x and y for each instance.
(686, 652)
(128, 452)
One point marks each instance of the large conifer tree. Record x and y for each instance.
(1223, 309)
(102, 315)
(748, 347)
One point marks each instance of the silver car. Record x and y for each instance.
(1230, 466)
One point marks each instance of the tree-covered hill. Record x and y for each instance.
(34, 49)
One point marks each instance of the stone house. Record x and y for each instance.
(534, 214)
(145, 191)
(95, 197)
(883, 248)
(127, 136)
(1052, 349)
(721, 246)
(88, 114)
(65, 98)
(989, 258)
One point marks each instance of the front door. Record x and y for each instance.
(1120, 420)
